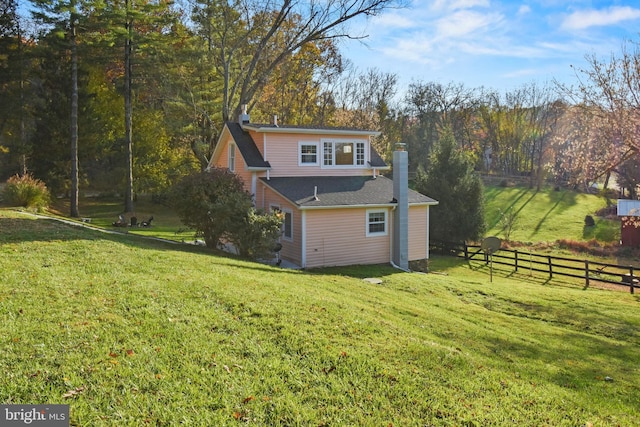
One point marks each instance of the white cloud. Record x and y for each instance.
(599, 18)
(393, 20)
(524, 10)
(459, 4)
(466, 22)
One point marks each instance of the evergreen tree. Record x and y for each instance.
(451, 180)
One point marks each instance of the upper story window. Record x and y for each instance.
(308, 154)
(343, 153)
(232, 157)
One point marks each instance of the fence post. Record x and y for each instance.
(516, 259)
(631, 280)
(586, 274)
(550, 267)
(466, 251)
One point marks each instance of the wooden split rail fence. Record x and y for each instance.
(615, 274)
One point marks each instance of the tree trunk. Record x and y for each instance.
(128, 201)
(74, 121)
(23, 129)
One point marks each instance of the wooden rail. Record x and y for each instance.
(615, 274)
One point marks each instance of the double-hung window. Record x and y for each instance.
(343, 153)
(308, 154)
(376, 222)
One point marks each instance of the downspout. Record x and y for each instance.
(254, 182)
(264, 153)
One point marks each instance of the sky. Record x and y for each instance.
(498, 44)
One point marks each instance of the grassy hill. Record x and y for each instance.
(549, 215)
(130, 331)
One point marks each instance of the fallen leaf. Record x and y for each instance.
(130, 352)
(226, 368)
(73, 392)
(248, 399)
(237, 415)
(112, 354)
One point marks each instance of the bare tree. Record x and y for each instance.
(608, 94)
(252, 37)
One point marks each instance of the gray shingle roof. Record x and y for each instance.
(340, 191)
(247, 146)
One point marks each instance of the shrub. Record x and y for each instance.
(588, 221)
(26, 191)
(258, 234)
(217, 206)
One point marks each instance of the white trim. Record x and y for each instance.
(318, 153)
(385, 222)
(428, 230)
(254, 183)
(264, 147)
(310, 131)
(303, 239)
(354, 142)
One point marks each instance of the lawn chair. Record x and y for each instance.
(121, 222)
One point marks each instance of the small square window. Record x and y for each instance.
(376, 223)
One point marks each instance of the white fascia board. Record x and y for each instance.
(309, 131)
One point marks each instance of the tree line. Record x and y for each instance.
(128, 96)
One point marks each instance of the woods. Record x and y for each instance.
(128, 97)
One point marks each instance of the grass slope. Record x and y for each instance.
(131, 331)
(548, 215)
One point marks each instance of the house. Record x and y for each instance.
(629, 213)
(337, 207)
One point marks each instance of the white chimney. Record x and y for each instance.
(275, 120)
(401, 214)
(243, 117)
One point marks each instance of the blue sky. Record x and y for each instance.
(497, 44)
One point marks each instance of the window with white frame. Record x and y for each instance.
(343, 153)
(376, 222)
(308, 154)
(287, 225)
(287, 222)
(232, 157)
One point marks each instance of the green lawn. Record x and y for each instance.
(548, 215)
(130, 331)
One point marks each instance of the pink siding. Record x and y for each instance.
(418, 232)
(282, 154)
(338, 237)
(222, 161)
(291, 249)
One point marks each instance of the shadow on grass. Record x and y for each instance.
(38, 229)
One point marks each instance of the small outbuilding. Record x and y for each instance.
(629, 213)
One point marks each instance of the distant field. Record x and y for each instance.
(549, 215)
(131, 332)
